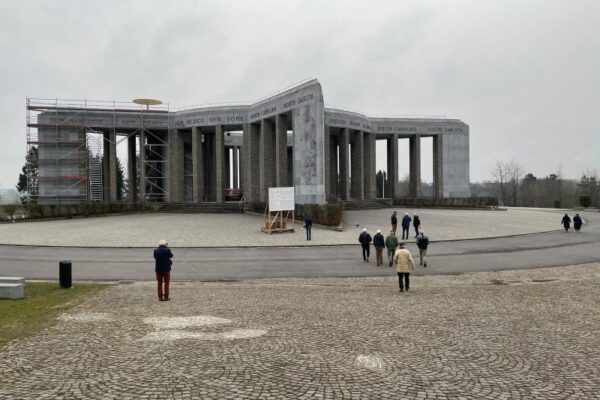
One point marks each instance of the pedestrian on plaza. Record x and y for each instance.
(566, 221)
(422, 244)
(162, 267)
(379, 243)
(405, 226)
(391, 243)
(394, 222)
(577, 222)
(365, 241)
(308, 226)
(404, 264)
(416, 224)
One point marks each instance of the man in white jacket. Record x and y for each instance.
(404, 264)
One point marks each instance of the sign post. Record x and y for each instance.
(277, 213)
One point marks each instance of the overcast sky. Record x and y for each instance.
(525, 75)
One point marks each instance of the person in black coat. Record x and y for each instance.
(162, 267)
(577, 222)
(566, 221)
(394, 222)
(365, 241)
(379, 243)
(405, 225)
(422, 244)
(416, 224)
(308, 226)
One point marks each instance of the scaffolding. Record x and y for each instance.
(66, 150)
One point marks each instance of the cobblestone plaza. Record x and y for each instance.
(529, 334)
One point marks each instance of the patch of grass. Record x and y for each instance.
(42, 303)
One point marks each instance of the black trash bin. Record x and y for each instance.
(64, 274)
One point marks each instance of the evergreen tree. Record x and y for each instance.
(30, 166)
(121, 183)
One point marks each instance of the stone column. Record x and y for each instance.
(343, 178)
(281, 150)
(109, 166)
(327, 163)
(251, 160)
(438, 188)
(368, 165)
(357, 165)
(143, 166)
(227, 167)
(176, 175)
(267, 167)
(219, 163)
(392, 167)
(132, 168)
(236, 157)
(415, 166)
(333, 165)
(197, 166)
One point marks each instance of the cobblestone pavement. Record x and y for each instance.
(227, 230)
(531, 334)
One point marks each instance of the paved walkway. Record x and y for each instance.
(227, 230)
(531, 334)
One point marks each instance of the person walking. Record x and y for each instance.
(405, 226)
(162, 267)
(566, 221)
(577, 222)
(308, 226)
(379, 243)
(404, 265)
(422, 244)
(394, 222)
(416, 224)
(391, 243)
(365, 240)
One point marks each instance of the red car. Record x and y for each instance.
(233, 194)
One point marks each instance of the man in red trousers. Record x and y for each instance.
(163, 255)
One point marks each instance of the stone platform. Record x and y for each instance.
(228, 230)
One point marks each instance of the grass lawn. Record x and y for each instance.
(43, 302)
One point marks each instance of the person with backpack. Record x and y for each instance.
(422, 244)
(379, 243)
(391, 244)
(365, 241)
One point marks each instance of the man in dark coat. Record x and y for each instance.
(416, 224)
(162, 267)
(566, 221)
(394, 222)
(379, 243)
(422, 244)
(308, 226)
(405, 225)
(577, 222)
(365, 241)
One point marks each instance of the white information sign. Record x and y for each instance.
(281, 199)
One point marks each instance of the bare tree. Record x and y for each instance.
(501, 176)
(515, 172)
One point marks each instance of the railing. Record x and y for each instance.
(420, 116)
(92, 104)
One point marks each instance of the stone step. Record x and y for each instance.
(208, 208)
(12, 291)
(12, 279)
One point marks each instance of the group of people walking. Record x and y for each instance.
(397, 254)
(577, 222)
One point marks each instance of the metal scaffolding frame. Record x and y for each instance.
(70, 151)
